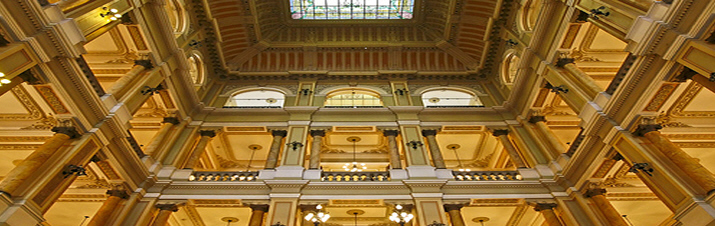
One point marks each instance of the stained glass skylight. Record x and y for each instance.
(351, 9)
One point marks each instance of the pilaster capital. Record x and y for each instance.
(279, 133)
(390, 132)
(167, 206)
(537, 118)
(544, 206)
(500, 132)
(561, 62)
(208, 133)
(647, 128)
(317, 133)
(172, 120)
(260, 207)
(429, 132)
(450, 207)
(146, 63)
(69, 131)
(594, 192)
(118, 193)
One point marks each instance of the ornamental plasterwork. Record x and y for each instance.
(194, 215)
(666, 120)
(684, 100)
(30, 105)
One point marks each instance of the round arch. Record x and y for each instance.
(449, 96)
(259, 97)
(353, 97)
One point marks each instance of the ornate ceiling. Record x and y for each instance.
(259, 37)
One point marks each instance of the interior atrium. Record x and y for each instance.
(357, 112)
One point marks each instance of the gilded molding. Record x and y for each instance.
(52, 100)
(685, 99)
(30, 105)
(661, 96)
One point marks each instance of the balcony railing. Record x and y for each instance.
(486, 175)
(355, 176)
(455, 106)
(223, 176)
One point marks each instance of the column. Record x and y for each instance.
(547, 209)
(165, 211)
(305, 210)
(272, 160)
(700, 79)
(315, 148)
(455, 214)
(682, 160)
(510, 149)
(257, 212)
(391, 135)
(206, 136)
(602, 204)
(32, 163)
(166, 126)
(107, 209)
(139, 66)
(434, 148)
(541, 126)
(581, 77)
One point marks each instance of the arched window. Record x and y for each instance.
(509, 68)
(529, 14)
(256, 99)
(196, 69)
(353, 98)
(450, 98)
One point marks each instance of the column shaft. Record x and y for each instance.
(692, 168)
(591, 88)
(434, 148)
(257, 215)
(455, 214)
(510, 149)
(162, 218)
(107, 209)
(315, 148)
(272, 160)
(32, 163)
(125, 80)
(702, 80)
(206, 136)
(611, 214)
(157, 139)
(395, 162)
(551, 137)
(551, 218)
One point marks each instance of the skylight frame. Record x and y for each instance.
(325, 10)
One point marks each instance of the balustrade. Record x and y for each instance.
(223, 176)
(486, 175)
(355, 176)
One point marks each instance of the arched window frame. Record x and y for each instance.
(475, 98)
(362, 91)
(280, 102)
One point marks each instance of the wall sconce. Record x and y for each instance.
(401, 92)
(414, 144)
(74, 169)
(558, 89)
(112, 14)
(511, 43)
(4, 81)
(306, 92)
(598, 12)
(295, 145)
(643, 167)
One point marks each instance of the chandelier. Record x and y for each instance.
(317, 217)
(400, 215)
(454, 148)
(356, 167)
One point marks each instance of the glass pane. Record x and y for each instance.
(351, 9)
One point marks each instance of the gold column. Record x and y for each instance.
(165, 211)
(510, 149)
(547, 209)
(434, 148)
(455, 214)
(690, 166)
(591, 88)
(105, 211)
(166, 126)
(257, 215)
(32, 163)
(272, 160)
(602, 204)
(541, 126)
(394, 151)
(315, 148)
(206, 136)
(119, 85)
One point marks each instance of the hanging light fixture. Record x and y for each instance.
(454, 148)
(317, 217)
(400, 215)
(229, 220)
(356, 167)
(110, 13)
(254, 148)
(480, 220)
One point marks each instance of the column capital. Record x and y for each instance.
(279, 133)
(167, 206)
(562, 62)
(118, 193)
(500, 132)
(594, 192)
(307, 207)
(429, 132)
(647, 128)
(450, 207)
(69, 131)
(260, 207)
(317, 133)
(544, 206)
(172, 120)
(208, 133)
(537, 118)
(146, 63)
(390, 132)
